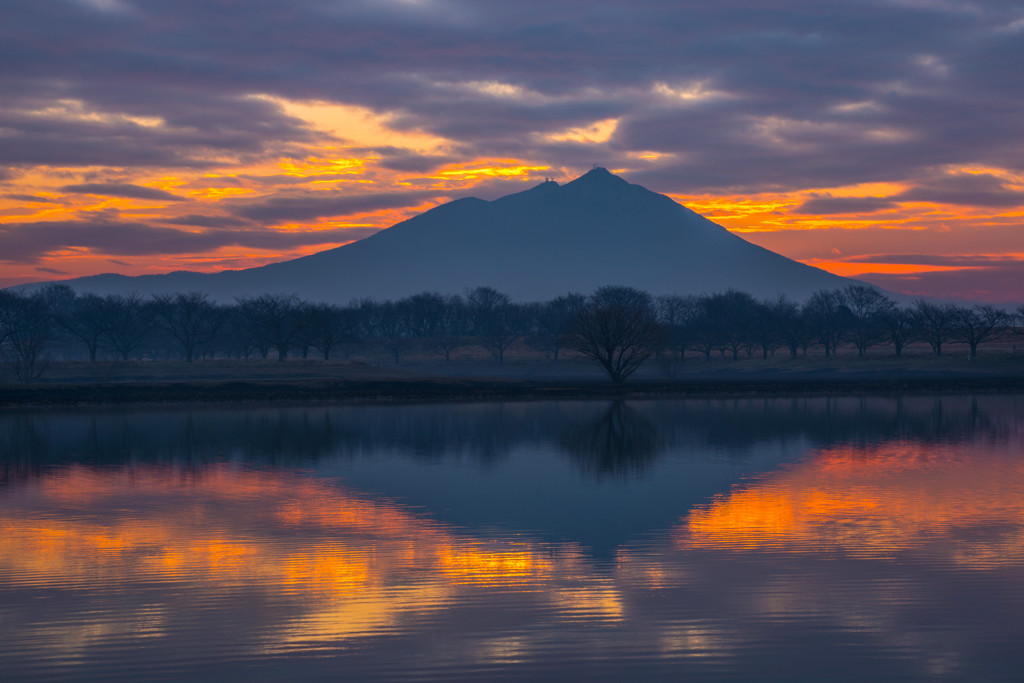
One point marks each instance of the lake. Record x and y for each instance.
(846, 538)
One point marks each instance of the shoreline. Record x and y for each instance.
(434, 389)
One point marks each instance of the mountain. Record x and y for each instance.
(534, 245)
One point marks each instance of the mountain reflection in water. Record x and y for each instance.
(839, 538)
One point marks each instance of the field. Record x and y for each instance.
(473, 374)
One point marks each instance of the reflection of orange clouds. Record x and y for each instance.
(353, 566)
(876, 502)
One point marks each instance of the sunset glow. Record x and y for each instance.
(875, 501)
(130, 154)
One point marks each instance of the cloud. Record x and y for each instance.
(30, 198)
(490, 77)
(841, 205)
(968, 261)
(314, 205)
(1003, 284)
(965, 189)
(398, 159)
(28, 242)
(122, 190)
(206, 221)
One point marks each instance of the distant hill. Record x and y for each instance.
(534, 245)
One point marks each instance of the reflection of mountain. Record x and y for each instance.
(589, 432)
(509, 465)
(181, 569)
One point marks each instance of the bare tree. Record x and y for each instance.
(82, 318)
(723, 322)
(792, 327)
(273, 321)
(767, 324)
(424, 312)
(126, 323)
(867, 307)
(27, 328)
(934, 323)
(618, 329)
(978, 324)
(898, 326)
(326, 327)
(494, 319)
(453, 326)
(549, 322)
(828, 318)
(190, 318)
(677, 315)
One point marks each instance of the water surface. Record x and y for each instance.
(841, 538)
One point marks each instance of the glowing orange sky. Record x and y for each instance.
(849, 244)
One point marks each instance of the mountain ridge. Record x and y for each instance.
(595, 230)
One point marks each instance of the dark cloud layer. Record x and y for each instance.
(122, 190)
(840, 205)
(28, 242)
(807, 94)
(971, 261)
(962, 189)
(997, 284)
(976, 189)
(315, 205)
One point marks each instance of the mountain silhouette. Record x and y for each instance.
(534, 245)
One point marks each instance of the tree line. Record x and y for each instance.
(619, 328)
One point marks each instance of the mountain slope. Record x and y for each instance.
(534, 245)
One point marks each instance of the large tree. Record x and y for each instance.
(618, 329)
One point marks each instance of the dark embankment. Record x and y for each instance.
(449, 389)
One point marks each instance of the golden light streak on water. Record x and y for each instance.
(875, 502)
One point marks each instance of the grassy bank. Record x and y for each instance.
(135, 382)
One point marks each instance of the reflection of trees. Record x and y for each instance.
(619, 442)
(603, 439)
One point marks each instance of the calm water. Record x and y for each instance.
(857, 539)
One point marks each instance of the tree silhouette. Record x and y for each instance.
(494, 319)
(190, 318)
(27, 328)
(980, 323)
(617, 329)
(273, 320)
(934, 323)
(127, 324)
(868, 308)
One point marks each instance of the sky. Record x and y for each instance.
(879, 139)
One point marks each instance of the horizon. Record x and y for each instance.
(876, 142)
